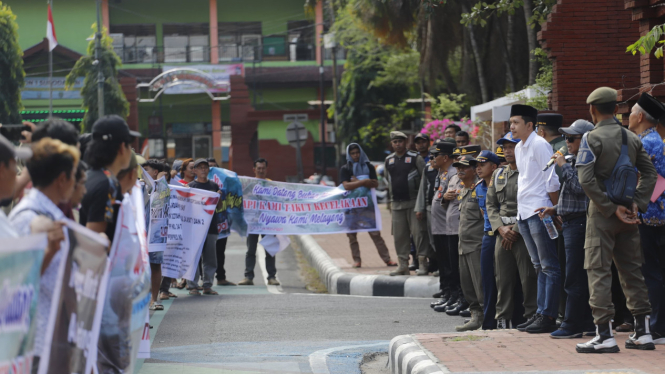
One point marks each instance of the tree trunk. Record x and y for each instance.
(532, 38)
(475, 49)
(510, 77)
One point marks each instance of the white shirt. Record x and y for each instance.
(6, 228)
(534, 184)
(21, 217)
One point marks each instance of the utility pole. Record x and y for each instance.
(323, 114)
(100, 74)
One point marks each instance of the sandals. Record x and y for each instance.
(209, 291)
(155, 306)
(164, 296)
(181, 285)
(171, 294)
(194, 292)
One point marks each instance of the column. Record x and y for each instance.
(216, 105)
(319, 30)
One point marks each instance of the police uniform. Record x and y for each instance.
(424, 204)
(607, 237)
(470, 243)
(510, 265)
(403, 175)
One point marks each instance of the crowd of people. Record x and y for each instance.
(559, 231)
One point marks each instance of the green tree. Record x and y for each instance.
(646, 44)
(114, 99)
(12, 76)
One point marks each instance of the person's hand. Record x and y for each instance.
(507, 233)
(545, 211)
(420, 216)
(53, 231)
(626, 215)
(450, 195)
(28, 134)
(560, 159)
(354, 179)
(162, 174)
(507, 244)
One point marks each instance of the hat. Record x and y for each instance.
(469, 150)
(487, 156)
(444, 148)
(177, 164)
(457, 152)
(500, 154)
(9, 152)
(602, 95)
(523, 110)
(397, 135)
(554, 120)
(508, 138)
(464, 161)
(201, 161)
(420, 135)
(113, 128)
(652, 106)
(578, 127)
(448, 140)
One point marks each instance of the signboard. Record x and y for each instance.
(37, 88)
(216, 79)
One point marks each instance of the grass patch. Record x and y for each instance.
(308, 274)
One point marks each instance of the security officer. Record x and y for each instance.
(511, 256)
(502, 158)
(470, 242)
(423, 207)
(403, 173)
(486, 163)
(611, 228)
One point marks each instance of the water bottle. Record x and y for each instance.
(549, 225)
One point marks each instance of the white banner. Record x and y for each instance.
(190, 213)
(158, 219)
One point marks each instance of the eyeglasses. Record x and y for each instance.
(572, 138)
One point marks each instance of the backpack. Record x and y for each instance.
(622, 183)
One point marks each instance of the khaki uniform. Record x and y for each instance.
(607, 238)
(501, 206)
(424, 204)
(471, 234)
(404, 221)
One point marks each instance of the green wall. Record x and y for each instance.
(273, 14)
(277, 130)
(72, 18)
(181, 109)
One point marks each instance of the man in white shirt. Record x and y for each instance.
(535, 189)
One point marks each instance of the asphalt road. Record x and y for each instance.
(286, 329)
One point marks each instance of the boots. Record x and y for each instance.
(402, 269)
(603, 342)
(422, 269)
(474, 323)
(641, 338)
(414, 261)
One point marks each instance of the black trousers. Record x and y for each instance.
(453, 260)
(653, 240)
(441, 249)
(221, 248)
(250, 258)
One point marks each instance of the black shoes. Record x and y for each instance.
(604, 341)
(455, 309)
(466, 313)
(445, 297)
(503, 324)
(542, 324)
(641, 339)
(522, 326)
(438, 295)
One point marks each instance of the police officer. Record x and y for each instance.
(612, 231)
(403, 173)
(470, 242)
(643, 121)
(511, 257)
(423, 207)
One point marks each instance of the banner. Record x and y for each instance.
(20, 270)
(219, 73)
(190, 214)
(159, 213)
(229, 215)
(296, 209)
(73, 328)
(128, 291)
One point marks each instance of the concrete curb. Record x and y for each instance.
(407, 356)
(343, 283)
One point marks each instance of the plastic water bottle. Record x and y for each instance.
(551, 230)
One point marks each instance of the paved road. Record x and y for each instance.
(287, 329)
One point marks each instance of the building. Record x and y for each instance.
(258, 58)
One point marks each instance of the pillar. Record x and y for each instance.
(319, 30)
(105, 15)
(216, 105)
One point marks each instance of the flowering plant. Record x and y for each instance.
(436, 128)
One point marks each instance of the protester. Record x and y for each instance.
(154, 168)
(536, 188)
(52, 168)
(108, 153)
(175, 171)
(187, 171)
(512, 263)
(260, 172)
(612, 228)
(451, 130)
(8, 156)
(572, 209)
(643, 122)
(212, 162)
(462, 138)
(403, 171)
(79, 189)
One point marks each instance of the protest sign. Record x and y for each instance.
(229, 215)
(73, 327)
(190, 214)
(128, 292)
(144, 346)
(158, 219)
(295, 209)
(20, 265)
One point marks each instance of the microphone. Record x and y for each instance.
(561, 152)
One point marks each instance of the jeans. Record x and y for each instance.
(488, 281)
(545, 258)
(250, 258)
(220, 248)
(653, 239)
(578, 316)
(209, 263)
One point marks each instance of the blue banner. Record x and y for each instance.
(229, 214)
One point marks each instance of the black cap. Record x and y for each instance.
(9, 152)
(467, 160)
(113, 128)
(443, 148)
(553, 120)
(201, 161)
(652, 106)
(420, 135)
(469, 150)
(523, 110)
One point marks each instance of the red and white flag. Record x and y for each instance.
(50, 31)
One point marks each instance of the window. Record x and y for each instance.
(134, 43)
(302, 46)
(240, 41)
(186, 42)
